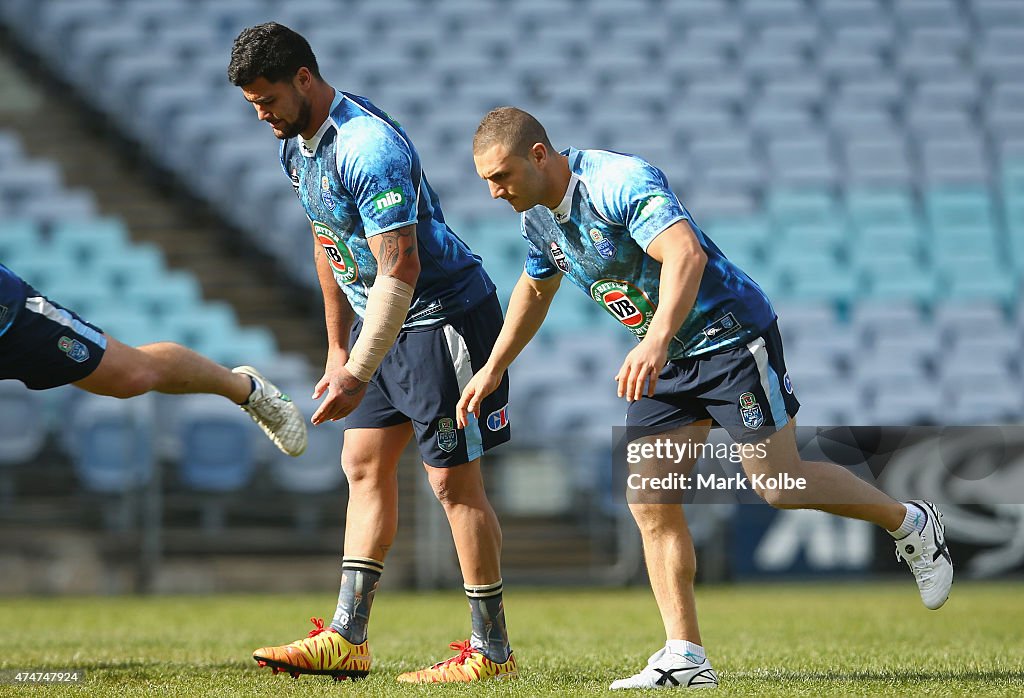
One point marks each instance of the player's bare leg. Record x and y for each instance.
(163, 367)
(916, 525)
(370, 460)
(668, 547)
(671, 566)
(830, 487)
(477, 534)
(475, 527)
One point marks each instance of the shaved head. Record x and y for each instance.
(512, 128)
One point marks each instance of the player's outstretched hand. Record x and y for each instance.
(344, 393)
(485, 382)
(644, 362)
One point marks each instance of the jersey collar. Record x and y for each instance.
(308, 148)
(564, 208)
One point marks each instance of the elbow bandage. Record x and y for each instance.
(387, 304)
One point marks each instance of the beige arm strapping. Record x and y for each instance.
(387, 304)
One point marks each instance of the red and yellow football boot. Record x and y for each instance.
(469, 664)
(325, 651)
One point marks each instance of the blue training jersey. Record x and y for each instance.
(12, 297)
(360, 176)
(614, 207)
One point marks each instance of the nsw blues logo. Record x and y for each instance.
(604, 246)
(447, 437)
(325, 193)
(750, 411)
(75, 350)
(498, 420)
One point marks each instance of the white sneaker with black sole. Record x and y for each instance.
(275, 413)
(927, 556)
(670, 670)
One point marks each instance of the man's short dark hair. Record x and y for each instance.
(513, 128)
(271, 51)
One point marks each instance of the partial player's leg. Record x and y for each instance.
(916, 525)
(370, 460)
(165, 367)
(49, 345)
(669, 552)
(475, 527)
(443, 361)
(830, 487)
(756, 403)
(477, 535)
(668, 546)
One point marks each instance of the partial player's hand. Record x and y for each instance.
(480, 386)
(643, 363)
(344, 393)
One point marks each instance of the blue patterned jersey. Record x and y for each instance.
(360, 176)
(613, 209)
(12, 297)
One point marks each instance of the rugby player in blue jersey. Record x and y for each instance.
(709, 353)
(45, 345)
(410, 315)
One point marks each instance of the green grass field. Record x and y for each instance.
(802, 640)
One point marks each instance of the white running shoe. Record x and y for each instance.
(928, 557)
(275, 413)
(670, 670)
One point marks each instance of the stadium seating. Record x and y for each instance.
(863, 160)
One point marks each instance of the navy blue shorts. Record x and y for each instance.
(421, 380)
(746, 390)
(49, 345)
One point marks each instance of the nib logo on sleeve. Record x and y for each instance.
(388, 199)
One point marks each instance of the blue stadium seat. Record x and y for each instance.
(998, 13)
(980, 279)
(927, 13)
(802, 207)
(22, 423)
(19, 239)
(85, 240)
(870, 318)
(968, 210)
(963, 318)
(319, 468)
(877, 162)
(869, 208)
(845, 13)
(111, 445)
(217, 444)
(900, 279)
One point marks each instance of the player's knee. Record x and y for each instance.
(361, 470)
(135, 381)
(656, 519)
(450, 489)
(777, 497)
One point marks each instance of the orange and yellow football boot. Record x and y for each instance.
(325, 651)
(469, 664)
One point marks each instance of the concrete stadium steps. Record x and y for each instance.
(127, 187)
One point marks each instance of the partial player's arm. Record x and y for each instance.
(682, 266)
(527, 308)
(387, 304)
(338, 315)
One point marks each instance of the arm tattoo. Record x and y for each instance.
(352, 386)
(393, 245)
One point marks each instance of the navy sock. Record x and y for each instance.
(490, 635)
(359, 578)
